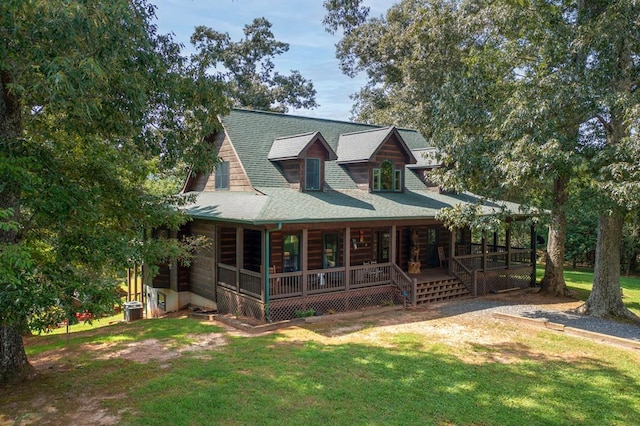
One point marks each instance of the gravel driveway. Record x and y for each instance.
(484, 306)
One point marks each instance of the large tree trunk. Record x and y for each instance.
(606, 296)
(13, 360)
(553, 283)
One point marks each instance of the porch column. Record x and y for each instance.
(452, 243)
(173, 271)
(534, 254)
(508, 243)
(304, 259)
(239, 255)
(216, 259)
(392, 253)
(264, 261)
(484, 251)
(347, 257)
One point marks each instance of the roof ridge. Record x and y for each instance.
(295, 136)
(367, 131)
(333, 120)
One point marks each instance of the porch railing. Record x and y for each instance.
(466, 276)
(405, 284)
(251, 283)
(369, 275)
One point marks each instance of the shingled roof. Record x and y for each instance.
(258, 137)
(254, 132)
(292, 147)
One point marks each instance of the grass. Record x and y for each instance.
(580, 282)
(375, 375)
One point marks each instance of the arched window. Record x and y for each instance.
(386, 178)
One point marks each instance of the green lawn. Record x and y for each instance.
(367, 375)
(580, 282)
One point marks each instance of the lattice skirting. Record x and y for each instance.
(494, 281)
(230, 302)
(322, 304)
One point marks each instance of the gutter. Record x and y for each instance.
(267, 251)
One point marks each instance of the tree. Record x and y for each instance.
(456, 71)
(92, 102)
(519, 97)
(248, 69)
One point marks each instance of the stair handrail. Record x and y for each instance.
(466, 277)
(404, 283)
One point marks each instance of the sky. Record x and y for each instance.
(296, 22)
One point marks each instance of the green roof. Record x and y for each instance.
(253, 135)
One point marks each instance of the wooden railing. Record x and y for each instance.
(405, 284)
(285, 285)
(251, 283)
(227, 276)
(324, 280)
(466, 276)
(369, 275)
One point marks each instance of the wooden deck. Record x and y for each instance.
(430, 275)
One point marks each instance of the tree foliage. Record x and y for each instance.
(93, 101)
(520, 97)
(248, 69)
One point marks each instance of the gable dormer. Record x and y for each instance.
(301, 159)
(375, 159)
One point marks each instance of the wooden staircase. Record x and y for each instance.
(442, 289)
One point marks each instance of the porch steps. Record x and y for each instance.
(437, 291)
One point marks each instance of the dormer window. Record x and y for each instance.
(312, 174)
(386, 178)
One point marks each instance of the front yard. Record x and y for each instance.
(402, 367)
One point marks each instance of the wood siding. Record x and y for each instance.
(238, 179)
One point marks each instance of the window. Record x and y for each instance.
(291, 255)
(330, 251)
(397, 180)
(222, 175)
(312, 174)
(386, 178)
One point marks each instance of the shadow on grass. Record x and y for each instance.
(272, 380)
(257, 382)
(177, 329)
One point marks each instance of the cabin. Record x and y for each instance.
(309, 216)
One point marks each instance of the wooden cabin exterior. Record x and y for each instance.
(309, 216)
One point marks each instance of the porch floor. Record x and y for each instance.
(431, 275)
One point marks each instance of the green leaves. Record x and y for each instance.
(92, 102)
(247, 68)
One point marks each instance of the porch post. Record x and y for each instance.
(347, 258)
(392, 255)
(304, 260)
(534, 254)
(452, 242)
(508, 243)
(239, 255)
(264, 261)
(173, 272)
(484, 251)
(216, 259)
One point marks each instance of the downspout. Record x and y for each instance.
(267, 251)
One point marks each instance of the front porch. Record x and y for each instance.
(326, 291)
(274, 274)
